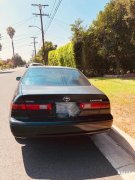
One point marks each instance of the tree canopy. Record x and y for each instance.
(18, 61)
(10, 31)
(49, 46)
(106, 46)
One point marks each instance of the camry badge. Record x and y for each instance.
(66, 99)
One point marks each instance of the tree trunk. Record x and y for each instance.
(13, 53)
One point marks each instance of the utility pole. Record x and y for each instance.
(33, 53)
(34, 43)
(40, 6)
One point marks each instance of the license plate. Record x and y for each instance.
(70, 108)
(61, 108)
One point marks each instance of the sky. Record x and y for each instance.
(18, 14)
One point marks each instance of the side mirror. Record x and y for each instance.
(18, 78)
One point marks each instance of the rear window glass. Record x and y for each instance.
(54, 77)
(36, 64)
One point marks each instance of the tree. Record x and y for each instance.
(48, 47)
(113, 32)
(78, 38)
(18, 61)
(63, 56)
(1, 64)
(107, 46)
(78, 31)
(11, 32)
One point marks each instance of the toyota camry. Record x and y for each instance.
(53, 101)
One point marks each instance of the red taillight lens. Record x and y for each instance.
(95, 105)
(18, 106)
(32, 107)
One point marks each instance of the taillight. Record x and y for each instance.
(39, 106)
(18, 107)
(95, 105)
(32, 107)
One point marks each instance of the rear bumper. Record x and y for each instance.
(41, 129)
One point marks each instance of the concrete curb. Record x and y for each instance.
(124, 140)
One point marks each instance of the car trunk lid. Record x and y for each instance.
(66, 102)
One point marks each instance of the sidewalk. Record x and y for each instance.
(119, 148)
(10, 70)
(123, 139)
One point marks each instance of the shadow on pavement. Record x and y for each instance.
(65, 158)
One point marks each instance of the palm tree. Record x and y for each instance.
(11, 32)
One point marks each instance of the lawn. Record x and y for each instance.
(121, 93)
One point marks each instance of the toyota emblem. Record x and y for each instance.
(66, 99)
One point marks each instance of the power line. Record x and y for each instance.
(52, 15)
(24, 45)
(5, 45)
(20, 23)
(53, 7)
(25, 20)
(55, 11)
(18, 37)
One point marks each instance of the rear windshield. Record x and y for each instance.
(36, 65)
(54, 77)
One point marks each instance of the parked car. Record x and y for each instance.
(27, 65)
(35, 64)
(58, 101)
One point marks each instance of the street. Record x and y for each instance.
(49, 158)
(81, 79)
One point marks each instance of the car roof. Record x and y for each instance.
(55, 67)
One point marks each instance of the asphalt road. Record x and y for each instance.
(66, 158)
